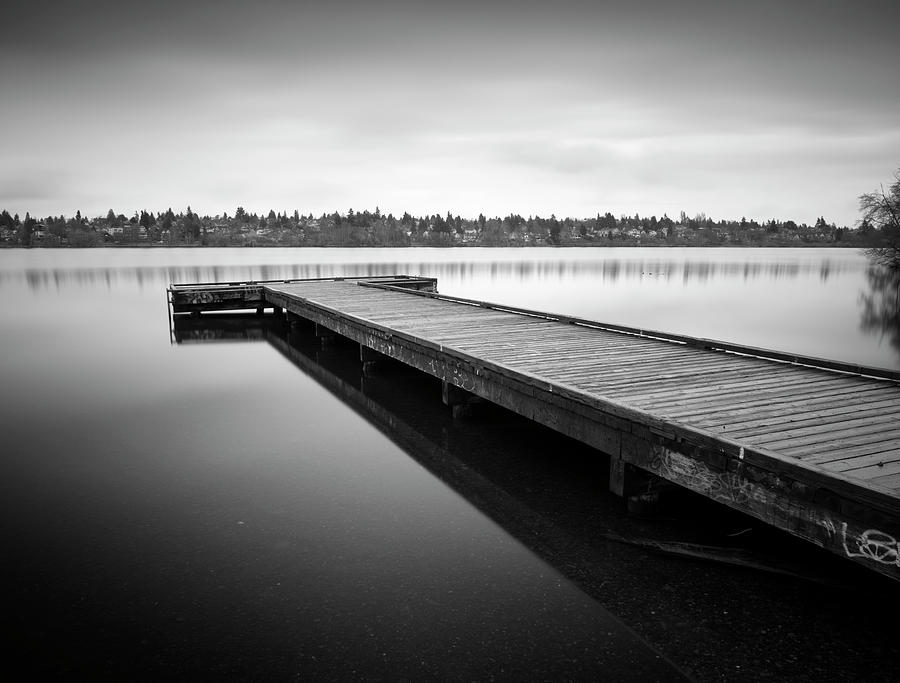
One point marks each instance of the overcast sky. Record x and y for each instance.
(786, 109)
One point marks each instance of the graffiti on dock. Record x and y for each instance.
(201, 297)
(727, 487)
(453, 374)
(871, 544)
(206, 297)
(380, 343)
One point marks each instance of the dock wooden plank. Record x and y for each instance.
(814, 408)
(868, 466)
(822, 458)
(721, 394)
(890, 481)
(614, 372)
(789, 403)
(684, 379)
(750, 391)
(765, 432)
(798, 447)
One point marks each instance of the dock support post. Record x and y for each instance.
(459, 400)
(617, 475)
(326, 336)
(640, 489)
(369, 358)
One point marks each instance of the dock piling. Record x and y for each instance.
(460, 401)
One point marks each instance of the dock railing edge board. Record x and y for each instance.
(247, 294)
(283, 281)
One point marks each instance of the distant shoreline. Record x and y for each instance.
(368, 229)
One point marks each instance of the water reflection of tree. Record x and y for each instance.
(881, 304)
(880, 212)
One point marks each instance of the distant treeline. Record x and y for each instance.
(374, 229)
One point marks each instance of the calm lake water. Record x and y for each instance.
(256, 509)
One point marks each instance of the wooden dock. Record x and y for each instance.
(810, 446)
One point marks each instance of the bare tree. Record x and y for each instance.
(880, 212)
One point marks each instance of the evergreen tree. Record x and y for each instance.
(25, 230)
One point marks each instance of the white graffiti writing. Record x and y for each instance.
(871, 544)
(874, 545)
(455, 376)
(723, 486)
(201, 297)
(381, 345)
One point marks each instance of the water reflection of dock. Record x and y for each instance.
(807, 445)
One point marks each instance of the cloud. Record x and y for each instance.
(463, 106)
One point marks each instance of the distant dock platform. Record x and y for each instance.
(810, 446)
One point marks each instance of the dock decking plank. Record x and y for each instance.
(818, 425)
(859, 425)
(890, 481)
(818, 457)
(721, 394)
(863, 462)
(813, 408)
(811, 444)
(789, 403)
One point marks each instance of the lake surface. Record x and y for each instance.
(256, 509)
(807, 301)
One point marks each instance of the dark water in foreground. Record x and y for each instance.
(257, 509)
